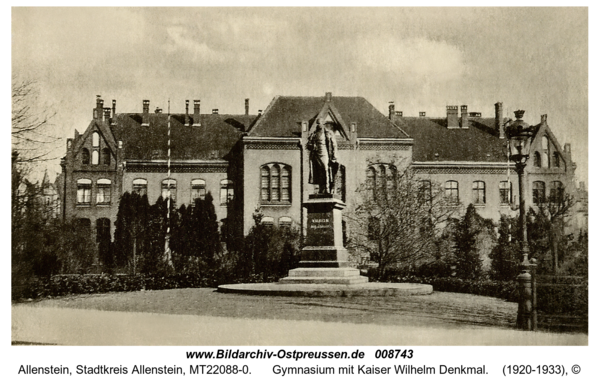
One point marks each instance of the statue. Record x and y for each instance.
(323, 164)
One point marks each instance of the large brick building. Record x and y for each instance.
(249, 162)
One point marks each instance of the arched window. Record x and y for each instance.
(106, 156)
(478, 192)
(84, 191)
(505, 192)
(140, 186)
(425, 191)
(268, 221)
(371, 178)
(95, 139)
(556, 191)
(556, 158)
(169, 189)
(198, 190)
(85, 156)
(275, 183)
(285, 222)
(545, 152)
(103, 194)
(226, 191)
(537, 159)
(95, 157)
(539, 192)
(451, 188)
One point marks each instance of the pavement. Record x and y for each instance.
(55, 322)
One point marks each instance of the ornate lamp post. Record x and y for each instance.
(520, 136)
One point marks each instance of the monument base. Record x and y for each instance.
(324, 276)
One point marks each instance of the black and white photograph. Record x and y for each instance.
(259, 178)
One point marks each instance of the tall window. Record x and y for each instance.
(275, 183)
(425, 190)
(102, 229)
(285, 222)
(451, 188)
(537, 160)
(556, 158)
(95, 157)
(84, 191)
(106, 156)
(95, 139)
(371, 178)
(505, 192)
(381, 179)
(478, 192)
(539, 192)
(545, 152)
(556, 191)
(85, 156)
(169, 189)
(103, 194)
(140, 186)
(198, 190)
(226, 191)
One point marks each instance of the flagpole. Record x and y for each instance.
(168, 235)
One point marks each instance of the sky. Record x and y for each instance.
(423, 59)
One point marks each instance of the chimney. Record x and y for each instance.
(114, 108)
(215, 111)
(452, 116)
(107, 112)
(260, 112)
(158, 110)
(99, 108)
(464, 117)
(399, 113)
(186, 122)
(146, 113)
(544, 119)
(328, 97)
(499, 122)
(392, 110)
(197, 113)
(247, 106)
(422, 114)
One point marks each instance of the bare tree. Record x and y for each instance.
(31, 141)
(400, 217)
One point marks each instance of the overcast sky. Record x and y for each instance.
(421, 58)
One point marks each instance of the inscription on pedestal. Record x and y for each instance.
(320, 229)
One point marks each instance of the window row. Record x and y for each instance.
(557, 191)
(84, 191)
(478, 191)
(381, 177)
(542, 160)
(85, 156)
(283, 221)
(275, 183)
(198, 189)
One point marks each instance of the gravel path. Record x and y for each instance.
(441, 309)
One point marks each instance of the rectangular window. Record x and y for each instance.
(140, 186)
(452, 191)
(198, 190)
(478, 192)
(84, 191)
(505, 192)
(169, 189)
(103, 194)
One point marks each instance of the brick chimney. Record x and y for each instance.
(260, 112)
(499, 121)
(452, 117)
(114, 108)
(107, 112)
(196, 113)
(186, 121)
(399, 113)
(328, 97)
(215, 111)
(392, 110)
(464, 117)
(99, 108)
(544, 119)
(146, 113)
(247, 106)
(422, 114)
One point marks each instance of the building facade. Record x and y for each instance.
(260, 162)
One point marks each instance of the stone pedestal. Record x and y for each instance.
(324, 259)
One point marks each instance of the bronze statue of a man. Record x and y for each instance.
(323, 164)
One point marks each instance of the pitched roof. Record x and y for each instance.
(480, 142)
(284, 116)
(213, 139)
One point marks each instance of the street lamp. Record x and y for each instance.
(520, 136)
